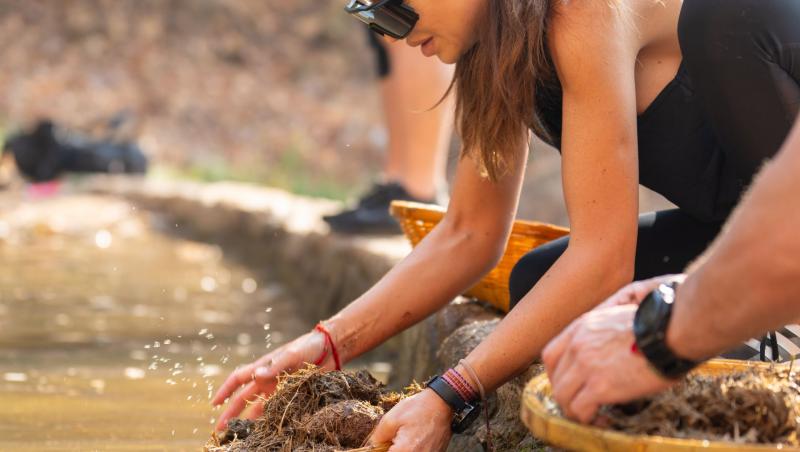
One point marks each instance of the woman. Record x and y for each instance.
(686, 98)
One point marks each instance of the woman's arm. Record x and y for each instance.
(594, 50)
(467, 243)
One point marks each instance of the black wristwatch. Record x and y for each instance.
(650, 330)
(464, 412)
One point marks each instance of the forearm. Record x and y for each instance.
(749, 280)
(441, 267)
(577, 282)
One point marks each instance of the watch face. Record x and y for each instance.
(647, 315)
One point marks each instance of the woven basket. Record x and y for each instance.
(417, 220)
(563, 433)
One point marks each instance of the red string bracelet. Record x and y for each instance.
(328, 343)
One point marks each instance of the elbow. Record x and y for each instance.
(613, 266)
(617, 270)
(483, 241)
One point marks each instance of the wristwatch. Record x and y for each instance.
(650, 329)
(464, 412)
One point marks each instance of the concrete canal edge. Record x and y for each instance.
(276, 230)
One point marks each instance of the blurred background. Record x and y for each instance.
(270, 92)
(116, 324)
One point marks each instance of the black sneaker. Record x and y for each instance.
(371, 214)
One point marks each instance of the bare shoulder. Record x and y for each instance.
(588, 35)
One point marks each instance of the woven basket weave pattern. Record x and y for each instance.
(417, 220)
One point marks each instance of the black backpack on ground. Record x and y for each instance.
(47, 151)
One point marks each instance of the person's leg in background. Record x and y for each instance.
(418, 137)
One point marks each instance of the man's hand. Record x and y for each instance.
(593, 362)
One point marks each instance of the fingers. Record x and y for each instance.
(236, 379)
(584, 406)
(385, 431)
(566, 381)
(237, 404)
(403, 442)
(553, 352)
(255, 410)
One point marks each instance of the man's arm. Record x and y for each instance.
(746, 283)
(749, 279)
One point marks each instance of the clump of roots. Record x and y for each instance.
(755, 406)
(313, 410)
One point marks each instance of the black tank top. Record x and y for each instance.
(678, 154)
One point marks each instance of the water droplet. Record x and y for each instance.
(134, 373)
(167, 341)
(208, 284)
(202, 332)
(16, 377)
(243, 339)
(170, 381)
(102, 239)
(249, 285)
(98, 385)
(211, 370)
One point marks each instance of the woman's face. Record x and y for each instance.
(446, 28)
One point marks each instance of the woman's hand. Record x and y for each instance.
(260, 376)
(591, 363)
(420, 422)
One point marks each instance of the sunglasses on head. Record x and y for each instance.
(387, 17)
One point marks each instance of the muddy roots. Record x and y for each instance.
(756, 406)
(312, 410)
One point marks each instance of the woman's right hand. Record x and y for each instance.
(260, 376)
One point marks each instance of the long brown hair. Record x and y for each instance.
(497, 79)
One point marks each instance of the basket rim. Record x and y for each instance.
(532, 408)
(403, 209)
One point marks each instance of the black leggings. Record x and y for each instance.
(743, 57)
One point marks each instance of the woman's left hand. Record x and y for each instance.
(420, 422)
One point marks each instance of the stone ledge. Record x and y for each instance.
(270, 229)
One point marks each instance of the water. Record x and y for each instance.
(112, 333)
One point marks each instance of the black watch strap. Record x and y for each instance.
(650, 329)
(447, 393)
(464, 413)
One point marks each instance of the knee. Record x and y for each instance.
(522, 279)
(527, 272)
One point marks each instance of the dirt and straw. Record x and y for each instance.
(761, 405)
(312, 410)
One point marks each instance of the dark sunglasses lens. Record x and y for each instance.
(394, 19)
